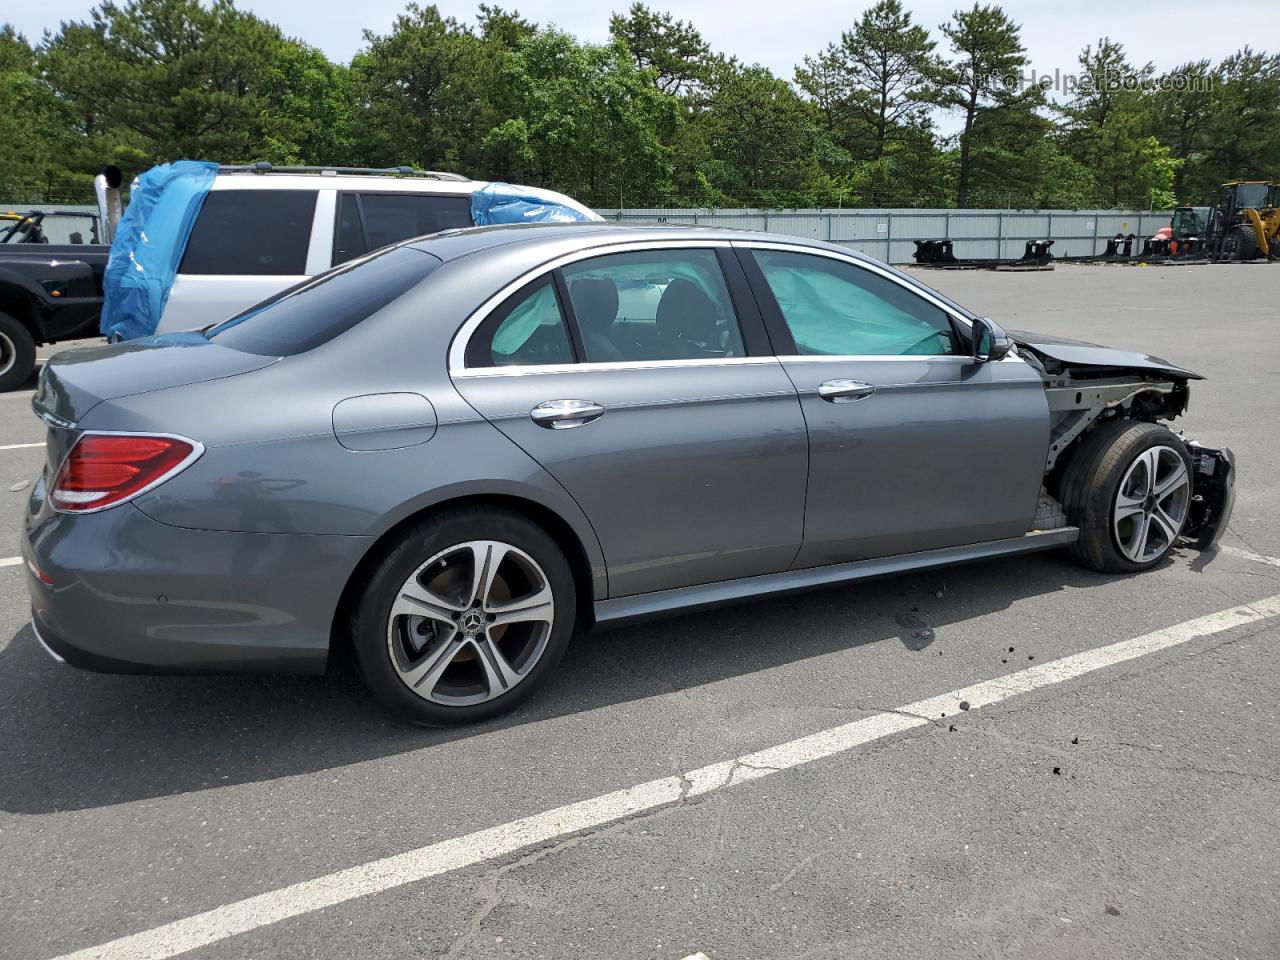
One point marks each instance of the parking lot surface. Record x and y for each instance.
(775, 779)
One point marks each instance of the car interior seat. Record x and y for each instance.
(688, 319)
(595, 303)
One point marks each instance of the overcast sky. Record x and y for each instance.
(777, 34)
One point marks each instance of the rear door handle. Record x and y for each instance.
(844, 391)
(563, 414)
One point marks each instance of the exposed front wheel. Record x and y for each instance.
(1128, 489)
(465, 617)
(17, 353)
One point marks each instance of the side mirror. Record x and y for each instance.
(989, 340)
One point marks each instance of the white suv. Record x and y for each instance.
(261, 230)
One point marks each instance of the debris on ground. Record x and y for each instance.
(917, 635)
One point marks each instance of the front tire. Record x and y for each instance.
(1247, 247)
(17, 353)
(464, 617)
(1128, 488)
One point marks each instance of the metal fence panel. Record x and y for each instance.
(887, 234)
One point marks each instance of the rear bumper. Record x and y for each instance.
(130, 594)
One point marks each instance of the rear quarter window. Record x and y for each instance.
(251, 233)
(367, 221)
(317, 310)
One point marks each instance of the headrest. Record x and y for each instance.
(595, 302)
(687, 313)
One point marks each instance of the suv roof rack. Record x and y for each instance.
(263, 166)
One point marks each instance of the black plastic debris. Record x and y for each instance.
(1057, 771)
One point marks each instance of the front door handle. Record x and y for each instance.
(563, 414)
(844, 391)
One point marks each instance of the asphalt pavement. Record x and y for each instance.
(762, 781)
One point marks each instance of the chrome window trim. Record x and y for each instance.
(458, 346)
(521, 370)
(863, 357)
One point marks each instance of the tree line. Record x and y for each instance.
(652, 117)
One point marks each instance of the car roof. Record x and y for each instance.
(540, 242)
(452, 244)
(250, 180)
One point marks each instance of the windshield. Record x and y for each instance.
(320, 308)
(1251, 195)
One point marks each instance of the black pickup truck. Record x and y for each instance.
(48, 291)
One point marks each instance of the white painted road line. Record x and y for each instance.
(1250, 555)
(21, 446)
(10, 561)
(217, 924)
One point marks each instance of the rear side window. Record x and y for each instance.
(367, 221)
(317, 310)
(251, 233)
(527, 329)
(653, 305)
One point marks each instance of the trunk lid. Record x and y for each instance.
(74, 382)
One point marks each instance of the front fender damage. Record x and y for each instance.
(1213, 494)
(1081, 394)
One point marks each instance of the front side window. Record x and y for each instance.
(251, 233)
(835, 308)
(653, 305)
(528, 329)
(371, 220)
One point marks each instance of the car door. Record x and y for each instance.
(914, 445)
(644, 387)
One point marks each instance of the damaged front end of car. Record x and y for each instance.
(1086, 384)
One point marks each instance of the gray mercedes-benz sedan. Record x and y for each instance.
(454, 453)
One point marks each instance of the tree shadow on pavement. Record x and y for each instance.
(74, 740)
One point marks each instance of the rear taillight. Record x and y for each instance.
(104, 469)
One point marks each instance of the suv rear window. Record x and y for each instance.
(367, 221)
(317, 310)
(251, 233)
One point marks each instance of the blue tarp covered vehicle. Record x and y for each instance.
(148, 245)
(166, 203)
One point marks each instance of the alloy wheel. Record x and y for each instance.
(471, 623)
(1151, 504)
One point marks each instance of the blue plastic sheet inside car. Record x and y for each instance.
(148, 245)
(505, 203)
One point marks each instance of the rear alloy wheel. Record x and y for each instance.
(472, 629)
(1128, 488)
(17, 353)
(470, 623)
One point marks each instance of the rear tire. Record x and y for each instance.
(1128, 523)
(17, 353)
(464, 617)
